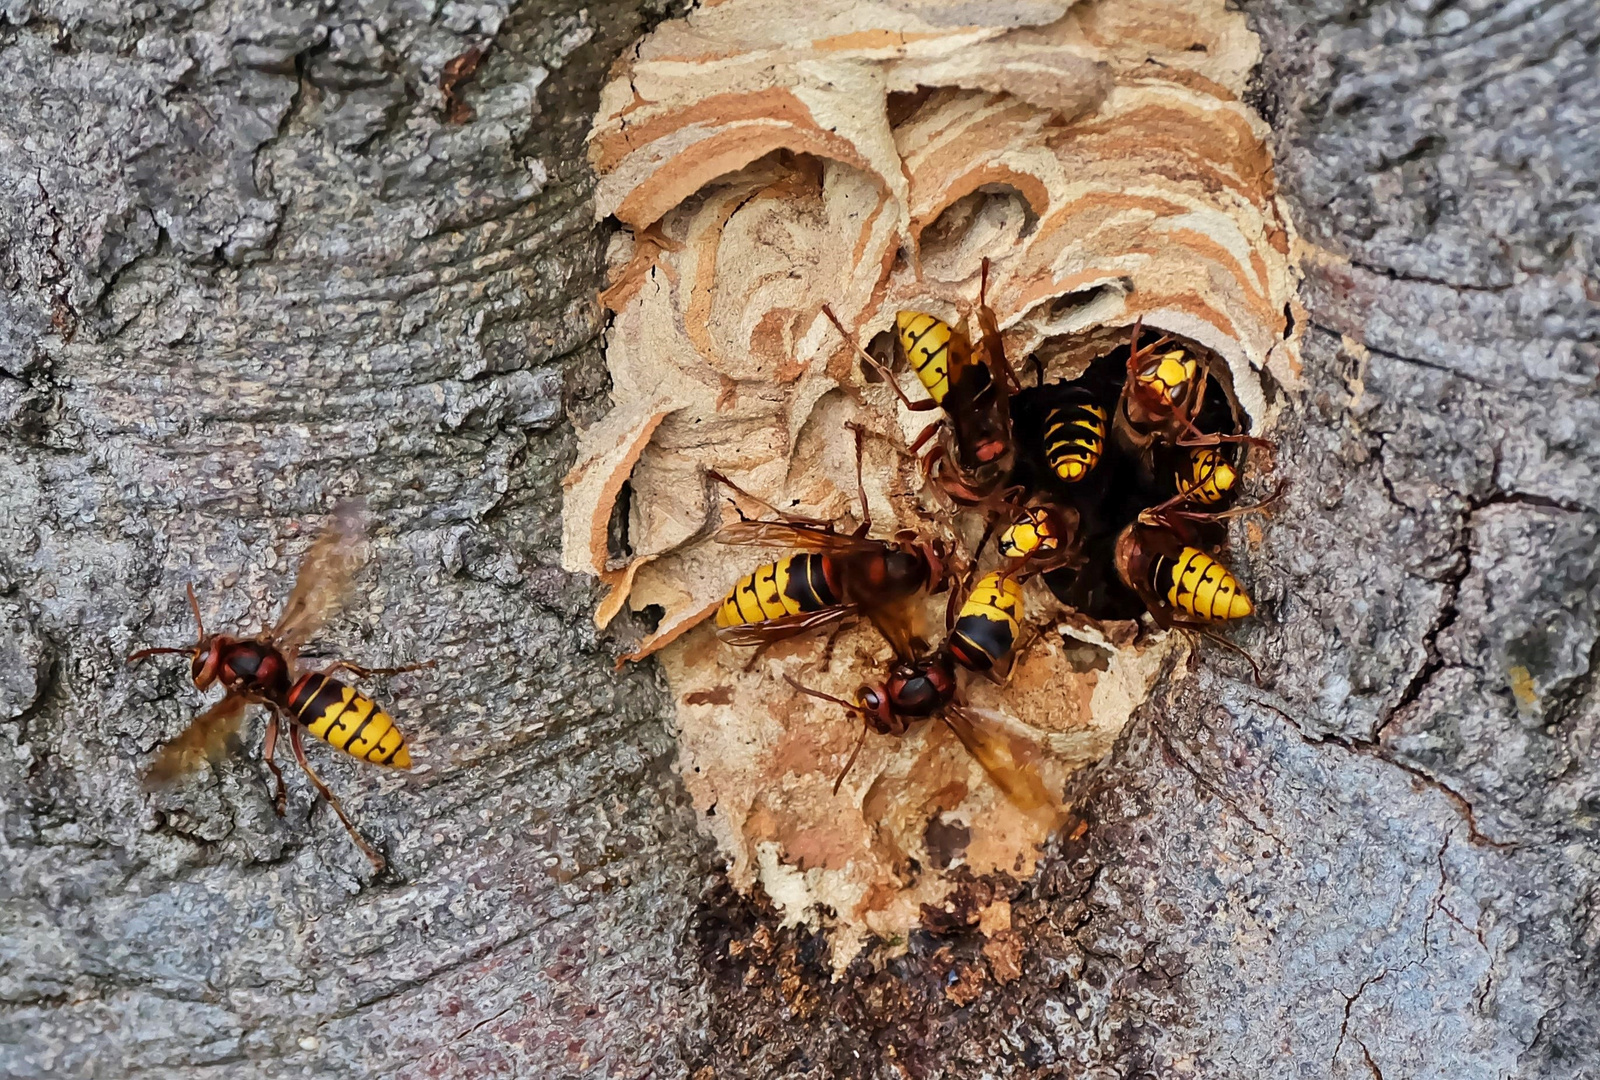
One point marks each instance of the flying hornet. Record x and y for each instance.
(266, 670)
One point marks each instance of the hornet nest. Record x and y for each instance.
(766, 158)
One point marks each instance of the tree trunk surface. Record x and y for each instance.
(258, 257)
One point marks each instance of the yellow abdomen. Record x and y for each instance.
(348, 720)
(1074, 439)
(1208, 477)
(1200, 585)
(789, 586)
(986, 628)
(926, 342)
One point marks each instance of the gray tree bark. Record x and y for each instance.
(255, 258)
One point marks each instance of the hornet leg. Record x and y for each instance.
(296, 743)
(920, 405)
(922, 440)
(793, 519)
(861, 487)
(269, 747)
(1034, 637)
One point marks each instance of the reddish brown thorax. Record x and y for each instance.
(904, 572)
(252, 668)
(881, 578)
(912, 692)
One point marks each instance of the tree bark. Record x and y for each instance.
(254, 259)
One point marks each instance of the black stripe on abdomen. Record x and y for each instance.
(808, 582)
(978, 642)
(313, 694)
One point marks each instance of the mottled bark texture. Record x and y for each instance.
(250, 266)
(255, 258)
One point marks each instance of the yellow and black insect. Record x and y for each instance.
(348, 720)
(1063, 434)
(1075, 434)
(1163, 380)
(986, 628)
(923, 685)
(1170, 400)
(833, 576)
(1202, 586)
(926, 343)
(1033, 533)
(793, 585)
(972, 385)
(1202, 475)
(1163, 390)
(266, 670)
(1040, 538)
(1180, 583)
(842, 576)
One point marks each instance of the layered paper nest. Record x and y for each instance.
(765, 158)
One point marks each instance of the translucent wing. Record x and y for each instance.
(897, 623)
(205, 739)
(786, 626)
(791, 535)
(1009, 759)
(324, 578)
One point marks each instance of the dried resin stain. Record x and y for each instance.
(766, 159)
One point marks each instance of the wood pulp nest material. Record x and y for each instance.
(766, 158)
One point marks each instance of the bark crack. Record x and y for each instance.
(1476, 931)
(1444, 369)
(63, 317)
(1527, 498)
(471, 956)
(1447, 614)
(1349, 1004)
(1367, 1057)
(1419, 279)
(1435, 906)
(1370, 748)
(481, 1023)
(1432, 661)
(263, 179)
(1172, 753)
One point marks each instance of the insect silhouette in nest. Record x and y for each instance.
(833, 576)
(1169, 553)
(1171, 450)
(922, 684)
(971, 384)
(1197, 472)
(1169, 391)
(266, 670)
(1063, 432)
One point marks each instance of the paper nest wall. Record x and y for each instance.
(765, 158)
